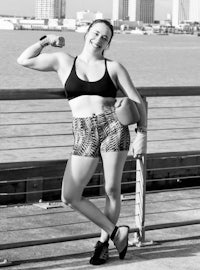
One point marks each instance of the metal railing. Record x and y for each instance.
(142, 176)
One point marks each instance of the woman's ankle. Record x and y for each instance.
(104, 240)
(104, 237)
(112, 236)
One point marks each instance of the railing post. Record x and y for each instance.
(140, 196)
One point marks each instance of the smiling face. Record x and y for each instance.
(99, 36)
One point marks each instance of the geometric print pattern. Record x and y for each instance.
(99, 133)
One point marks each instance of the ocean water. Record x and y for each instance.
(36, 130)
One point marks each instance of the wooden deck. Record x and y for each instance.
(174, 247)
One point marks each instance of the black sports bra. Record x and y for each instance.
(75, 87)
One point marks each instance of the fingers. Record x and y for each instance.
(137, 156)
(60, 42)
(56, 41)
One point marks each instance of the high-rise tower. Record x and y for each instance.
(194, 11)
(144, 10)
(50, 9)
(120, 10)
(180, 11)
(134, 10)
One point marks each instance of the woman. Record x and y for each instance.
(91, 83)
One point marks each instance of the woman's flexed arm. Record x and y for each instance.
(31, 57)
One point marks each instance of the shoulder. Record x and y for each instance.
(115, 67)
(61, 56)
(64, 60)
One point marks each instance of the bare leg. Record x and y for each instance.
(113, 163)
(78, 172)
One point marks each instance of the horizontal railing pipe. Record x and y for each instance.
(58, 93)
(24, 94)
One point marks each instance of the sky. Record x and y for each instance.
(27, 7)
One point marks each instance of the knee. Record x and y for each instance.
(65, 200)
(113, 192)
(69, 199)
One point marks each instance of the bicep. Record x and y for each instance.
(43, 62)
(125, 83)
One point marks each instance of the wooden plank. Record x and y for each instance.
(178, 146)
(49, 153)
(176, 112)
(161, 102)
(33, 118)
(36, 142)
(176, 135)
(173, 123)
(14, 106)
(35, 130)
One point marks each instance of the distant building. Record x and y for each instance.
(69, 24)
(6, 25)
(142, 10)
(120, 10)
(134, 10)
(50, 9)
(180, 11)
(31, 24)
(194, 11)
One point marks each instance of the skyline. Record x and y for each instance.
(27, 7)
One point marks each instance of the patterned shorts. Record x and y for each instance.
(99, 133)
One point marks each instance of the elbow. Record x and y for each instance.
(20, 61)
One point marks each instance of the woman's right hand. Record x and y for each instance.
(55, 41)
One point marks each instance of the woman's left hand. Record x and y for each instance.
(139, 146)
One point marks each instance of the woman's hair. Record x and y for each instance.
(107, 23)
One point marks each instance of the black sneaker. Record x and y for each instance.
(100, 255)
